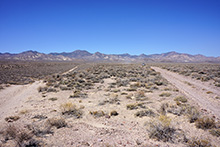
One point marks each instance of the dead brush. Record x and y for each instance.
(70, 109)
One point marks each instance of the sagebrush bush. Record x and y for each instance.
(143, 113)
(21, 136)
(12, 118)
(181, 99)
(165, 94)
(205, 123)
(195, 142)
(215, 132)
(161, 130)
(193, 114)
(132, 106)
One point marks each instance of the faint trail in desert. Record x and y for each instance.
(195, 91)
(70, 70)
(13, 97)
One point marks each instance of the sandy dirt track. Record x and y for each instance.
(13, 97)
(194, 89)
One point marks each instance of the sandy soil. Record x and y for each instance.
(196, 90)
(13, 98)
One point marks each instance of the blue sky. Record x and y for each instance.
(111, 26)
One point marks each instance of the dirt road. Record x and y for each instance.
(200, 92)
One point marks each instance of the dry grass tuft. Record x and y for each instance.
(99, 113)
(71, 110)
(56, 122)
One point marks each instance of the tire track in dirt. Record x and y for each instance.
(196, 91)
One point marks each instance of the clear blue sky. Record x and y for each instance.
(111, 26)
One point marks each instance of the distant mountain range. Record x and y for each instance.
(83, 55)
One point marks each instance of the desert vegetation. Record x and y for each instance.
(109, 105)
(202, 72)
(21, 72)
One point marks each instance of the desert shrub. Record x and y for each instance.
(64, 88)
(143, 113)
(167, 89)
(165, 94)
(21, 136)
(53, 99)
(110, 101)
(10, 132)
(158, 83)
(181, 99)
(161, 130)
(132, 106)
(40, 117)
(215, 132)
(98, 113)
(1, 87)
(199, 143)
(124, 93)
(71, 110)
(56, 122)
(77, 94)
(193, 114)
(140, 94)
(209, 92)
(205, 78)
(115, 90)
(205, 123)
(23, 111)
(131, 89)
(163, 108)
(113, 113)
(12, 118)
(174, 109)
